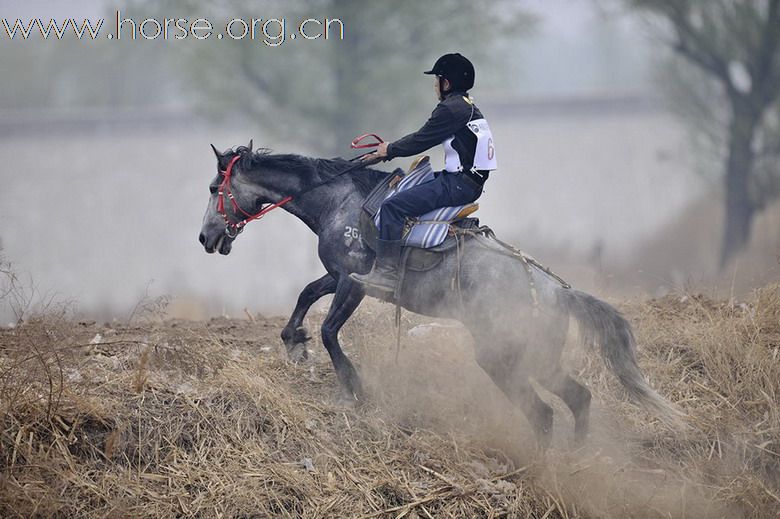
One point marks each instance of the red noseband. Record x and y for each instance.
(225, 191)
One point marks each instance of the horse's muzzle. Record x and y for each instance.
(222, 243)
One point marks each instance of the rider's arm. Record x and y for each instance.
(441, 125)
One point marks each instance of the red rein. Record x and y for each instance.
(225, 191)
(355, 144)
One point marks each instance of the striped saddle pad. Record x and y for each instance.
(430, 229)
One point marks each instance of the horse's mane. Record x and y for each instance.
(363, 177)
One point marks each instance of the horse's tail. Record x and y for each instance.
(601, 324)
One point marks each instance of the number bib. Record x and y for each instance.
(484, 154)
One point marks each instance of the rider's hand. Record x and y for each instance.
(379, 154)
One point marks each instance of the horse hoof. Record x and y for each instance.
(544, 437)
(348, 400)
(353, 397)
(357, 393)
(359, 397)
(297, 353)
(301, 335)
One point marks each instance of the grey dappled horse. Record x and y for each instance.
(512, 341)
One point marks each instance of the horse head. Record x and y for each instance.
(249, 184)
(234, 200)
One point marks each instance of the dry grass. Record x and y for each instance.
(175, 418)
(199, 420)
(721, 361)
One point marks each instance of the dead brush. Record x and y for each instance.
(246, 436)
(223, 426)
(140, 378)
(719, 360)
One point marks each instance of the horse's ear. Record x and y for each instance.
(218, 154)
(250, 144)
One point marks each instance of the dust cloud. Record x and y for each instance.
(435, 384)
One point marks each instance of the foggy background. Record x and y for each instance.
(106, 162)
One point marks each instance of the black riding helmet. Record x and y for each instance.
(455, 68)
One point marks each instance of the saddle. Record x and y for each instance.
(426, 237)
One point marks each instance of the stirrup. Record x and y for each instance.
(369, 281)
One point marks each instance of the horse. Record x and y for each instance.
(517, 316)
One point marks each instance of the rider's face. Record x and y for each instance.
(437, 86)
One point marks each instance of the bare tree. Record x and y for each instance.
(732, 89)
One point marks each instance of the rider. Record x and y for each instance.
(469, 155)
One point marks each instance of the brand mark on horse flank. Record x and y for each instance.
(351, 234)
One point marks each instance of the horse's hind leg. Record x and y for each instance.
(294, 335)
(501, 366)
(576, 396)
(538, 412)
(348, 296)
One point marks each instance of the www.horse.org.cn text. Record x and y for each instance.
(269, 31)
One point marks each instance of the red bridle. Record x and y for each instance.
(225, 191)
(355, 144)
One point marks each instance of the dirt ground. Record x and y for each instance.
(174, 418)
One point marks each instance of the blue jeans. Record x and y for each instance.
(445, 190)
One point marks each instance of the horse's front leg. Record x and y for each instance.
(294, 335)
(348, 296)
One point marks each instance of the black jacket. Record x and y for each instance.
(447, 119)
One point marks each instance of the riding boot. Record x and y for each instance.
(384, 275)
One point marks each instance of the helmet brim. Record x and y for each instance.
(429, 72)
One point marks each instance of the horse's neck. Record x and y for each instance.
(329, 201)
(321, 195)
(307, 209)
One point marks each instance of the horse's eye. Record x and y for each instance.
(212, 189)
